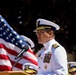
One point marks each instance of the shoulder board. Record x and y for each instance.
(55, 45)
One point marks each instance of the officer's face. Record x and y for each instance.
(73, 73)
(43, 36)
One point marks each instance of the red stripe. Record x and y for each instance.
(30, 51)
(10, 51)
(31, 60)
(5, 57)
(5, 68)
(18, 65)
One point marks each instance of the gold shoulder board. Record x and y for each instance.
(55, 45)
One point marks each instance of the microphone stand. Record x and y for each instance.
(21, 56)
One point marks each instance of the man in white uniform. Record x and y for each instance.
(52, 58)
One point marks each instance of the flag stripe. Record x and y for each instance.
(2, 56)
(5, 68)
(5, 62)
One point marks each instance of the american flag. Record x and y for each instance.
(11, 45)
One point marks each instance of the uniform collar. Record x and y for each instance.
(49, 43)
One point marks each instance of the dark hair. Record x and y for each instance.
(48, 30)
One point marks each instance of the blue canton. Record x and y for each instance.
(9, 35)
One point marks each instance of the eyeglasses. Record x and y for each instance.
(40, 32)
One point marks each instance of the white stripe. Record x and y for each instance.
(2, 51)
(10, 45)
(5, 62)
(30, 55)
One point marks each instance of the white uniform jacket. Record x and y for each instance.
(52, 59)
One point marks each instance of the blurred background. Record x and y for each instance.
(22, 15)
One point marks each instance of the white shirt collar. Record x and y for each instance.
(49, 43)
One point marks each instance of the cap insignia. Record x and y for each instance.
(27, 67)
(37, 23)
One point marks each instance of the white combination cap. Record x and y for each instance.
(30, 68)
(72, 67)
(42, 24)
(28, 40)
(72, 64)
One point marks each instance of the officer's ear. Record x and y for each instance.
(51, 33)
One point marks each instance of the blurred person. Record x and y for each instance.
(72, 68)
(30, 69)
(52, 58)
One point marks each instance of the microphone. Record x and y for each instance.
(24, 50)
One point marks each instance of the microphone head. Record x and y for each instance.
(26, 48)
